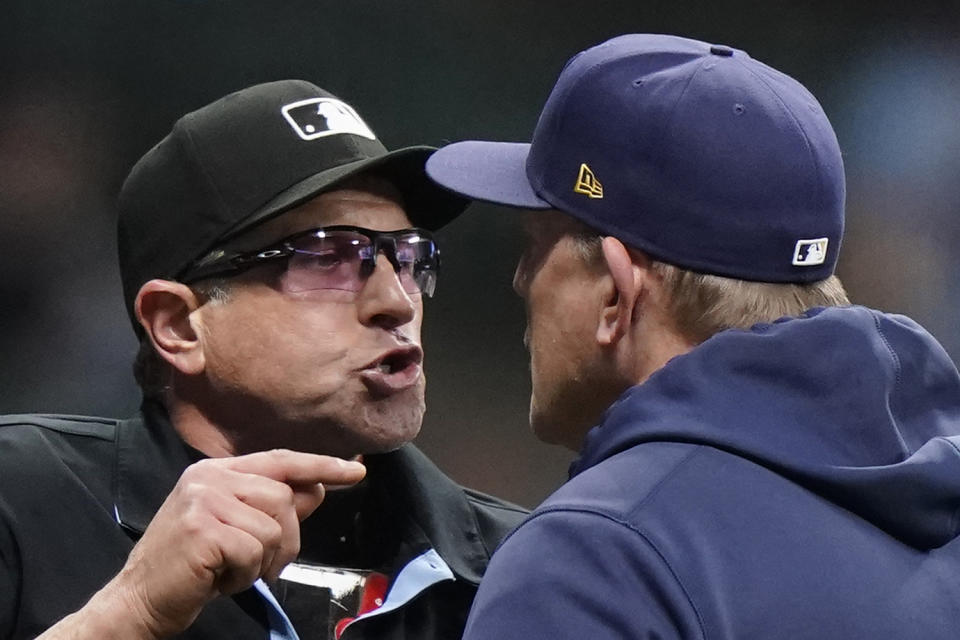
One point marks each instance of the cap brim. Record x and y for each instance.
(427, 205)
(488, 171)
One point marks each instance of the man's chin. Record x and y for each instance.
(542, 426)
(376, 442)
(362, 433)
(350, 445)
(386, 428)
(552, 428)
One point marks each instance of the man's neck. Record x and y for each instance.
(658, 343)
(197, 431)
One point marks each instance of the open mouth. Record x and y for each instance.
(393, 371)
(399, 360)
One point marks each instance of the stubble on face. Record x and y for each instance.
(285, 370)
(563, 302)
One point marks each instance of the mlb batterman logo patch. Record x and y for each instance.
(587, 183)
(319, 117)
(809, 253)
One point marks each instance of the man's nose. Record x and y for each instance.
(383, 300)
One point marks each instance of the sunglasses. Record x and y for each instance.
(336, 257)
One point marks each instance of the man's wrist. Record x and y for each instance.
(112, 613)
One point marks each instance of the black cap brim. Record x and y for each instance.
(428, 205)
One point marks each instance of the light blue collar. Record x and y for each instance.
(422, 572)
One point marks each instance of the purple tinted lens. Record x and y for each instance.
(326, 261)
(418, 263)
(334, 260)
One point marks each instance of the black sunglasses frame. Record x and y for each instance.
(220, 264)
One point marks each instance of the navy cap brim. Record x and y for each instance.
(488, 171)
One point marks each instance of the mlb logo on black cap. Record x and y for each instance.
(320, 117)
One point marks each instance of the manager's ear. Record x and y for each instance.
(628, 270)
(165, 311)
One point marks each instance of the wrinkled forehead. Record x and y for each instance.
(365, 201)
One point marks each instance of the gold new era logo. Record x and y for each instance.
(587, 183)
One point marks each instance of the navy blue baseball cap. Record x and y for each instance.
(695, 153)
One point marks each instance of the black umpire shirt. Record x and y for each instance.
(77, 492)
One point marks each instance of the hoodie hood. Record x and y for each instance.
(860, 407)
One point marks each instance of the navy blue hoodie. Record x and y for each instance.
(798, 480)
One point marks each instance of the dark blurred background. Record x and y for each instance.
(88, 87)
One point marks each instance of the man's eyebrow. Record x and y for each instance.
(256, 238)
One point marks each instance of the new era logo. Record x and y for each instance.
(319, 117)
(587, 183)
(809, 253)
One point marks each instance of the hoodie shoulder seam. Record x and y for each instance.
(955, 520)
(654, 490)
(634, 528)
(896, 382)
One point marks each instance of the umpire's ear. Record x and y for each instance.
(630, 271)
(165, 311)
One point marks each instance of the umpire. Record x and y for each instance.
(275, 258)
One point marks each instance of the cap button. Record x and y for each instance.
(721, 50)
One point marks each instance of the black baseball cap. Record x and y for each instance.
(246, 158)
